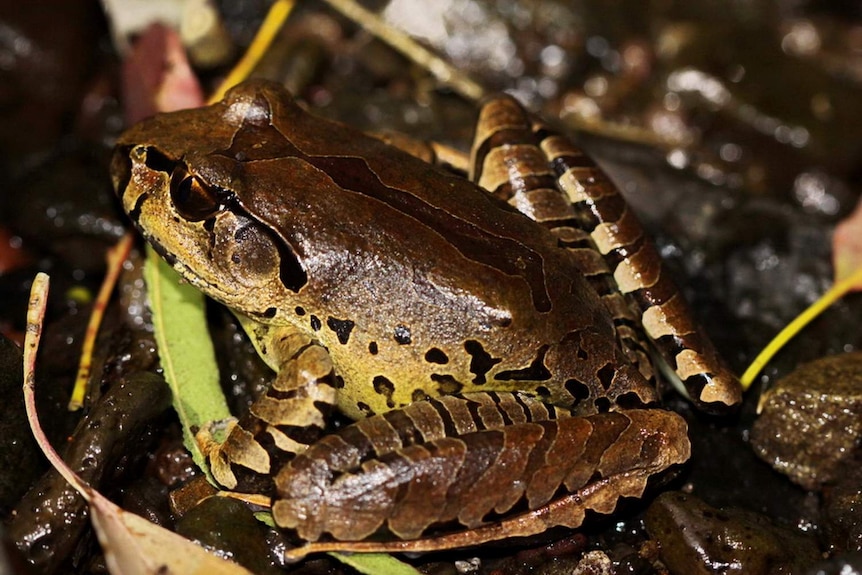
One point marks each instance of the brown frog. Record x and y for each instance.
(485, 332)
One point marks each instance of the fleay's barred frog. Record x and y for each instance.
(485, 333)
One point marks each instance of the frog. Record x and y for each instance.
(489, 333)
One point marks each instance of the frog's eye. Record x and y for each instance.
(193, 198)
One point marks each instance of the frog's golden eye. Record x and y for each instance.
(194, 200)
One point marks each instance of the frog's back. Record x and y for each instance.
(418, 282)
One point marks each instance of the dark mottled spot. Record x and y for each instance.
(169, 257)
(338, 383)
(341, 327)
(372, 348)
(543, 391)
(315, 323)
(270, 312)
(364, 408)
(629, 400)
(582, 354)
(606, 375)
(402, 334)
(385, 388)
(481, 361)
(299, 310)
(436, 355)
(419, 395)
(603, 404)
(446, 384)
(535, 372)
(577, 389)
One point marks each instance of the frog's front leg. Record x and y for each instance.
(290, 415)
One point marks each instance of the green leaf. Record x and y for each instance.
(376, 564)
(185, 351)
(190, 368)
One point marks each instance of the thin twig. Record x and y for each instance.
(439, 68)
(267, 32)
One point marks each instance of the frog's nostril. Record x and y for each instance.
(121, 170)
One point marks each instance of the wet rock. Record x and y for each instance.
(696, 538)
(842, 510)
(20, 459)
(594, 563)
(811, 420)
(849, 564)
(229, 526)
(48, 522)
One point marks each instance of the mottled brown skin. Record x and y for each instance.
(402, 471)
(545, 176)
(371, 281)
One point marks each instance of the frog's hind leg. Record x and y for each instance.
(602, 216)
(430, 152)
(490, 465)
(286, 419)
(507, 161)
(639, 272)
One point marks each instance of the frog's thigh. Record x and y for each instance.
(527, 164)
(508, 162)
(639, 272)
(292, 412)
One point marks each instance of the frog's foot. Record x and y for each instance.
(430, 152)
(236, 448)
(285, 420)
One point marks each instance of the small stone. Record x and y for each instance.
(594, 563)
(842, 510)
(696, 538)
(811, 420)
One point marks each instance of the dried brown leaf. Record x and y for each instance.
(132, 545)
(847, 247)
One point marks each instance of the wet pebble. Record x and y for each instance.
(850, 564)
(842, 503)
(229, 526)
(20, 459)
(696, 538)
(811, 421)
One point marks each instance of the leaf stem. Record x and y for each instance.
(270, 27)
(836, 292)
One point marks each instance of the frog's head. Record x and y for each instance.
(176, 175)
